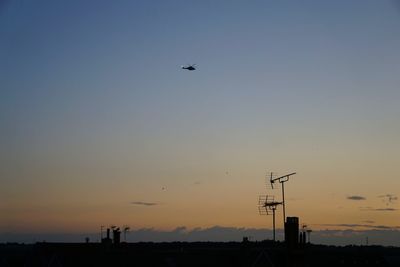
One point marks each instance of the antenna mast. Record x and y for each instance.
(101, 232)
(126, 230)
(266, 205)
(281, 180)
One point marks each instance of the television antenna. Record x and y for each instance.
(266, 206)
(101, 232)
(309, 231)
(126, 230)
(306, 229)
(282, 180)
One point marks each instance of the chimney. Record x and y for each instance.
(292, 232)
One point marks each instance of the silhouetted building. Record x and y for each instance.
(292, 232)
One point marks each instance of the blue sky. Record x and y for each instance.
(93, 103)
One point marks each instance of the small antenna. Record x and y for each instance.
(266, 206)
(126, 230)
(309, 231)
(268, 177)
(101, 232)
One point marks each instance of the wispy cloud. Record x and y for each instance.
(368, 221)
(376, 209)
(369, 226)
(356, 198)
(141, 203)
(385, 209)
(346, 225)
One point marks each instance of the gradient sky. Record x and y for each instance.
(97, 118)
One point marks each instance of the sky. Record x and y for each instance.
(99, 124)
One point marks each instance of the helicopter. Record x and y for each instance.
(189, 67)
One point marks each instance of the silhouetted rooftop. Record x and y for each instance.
(194, 254)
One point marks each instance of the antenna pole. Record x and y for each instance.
(283, 202)
(282, 180)
(266, 204)
(273, 222)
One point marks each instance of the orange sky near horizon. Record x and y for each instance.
(99, 124)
